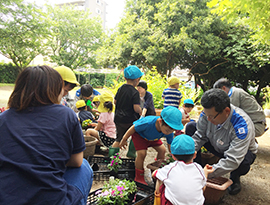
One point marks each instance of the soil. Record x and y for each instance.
(255, 185)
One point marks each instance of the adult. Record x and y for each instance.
(70, 82)
(227, 132)
(146, 102)
(41, 144)
(246, 102)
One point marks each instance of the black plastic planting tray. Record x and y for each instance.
(102, 173)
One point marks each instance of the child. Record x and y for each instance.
(95, 101)
(105, 130)
(83, 114)
(70, 82)
(147, 103)
(84, 93)
(182, 181)
(127, 106)
(185, 110)
(171, 95)
(147, 132)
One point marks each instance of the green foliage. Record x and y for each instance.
(254, 13)
(266, 92)
(156, 84)
(167, 33)
(22, 33)
(109, 79)
(116, 191)
(116, 85)
(74, 37)
(8, 72)
(98, 79)
(116, 163)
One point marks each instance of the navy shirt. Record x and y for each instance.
(35, 145)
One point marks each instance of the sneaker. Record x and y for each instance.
(235, 188)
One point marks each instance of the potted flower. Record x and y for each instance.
(115, 164)
(86, 124)
(116, 192)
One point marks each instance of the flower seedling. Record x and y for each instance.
(115, 163)
(116, 191)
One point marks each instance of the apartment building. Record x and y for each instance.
(96, 7)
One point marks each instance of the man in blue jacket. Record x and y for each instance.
(227, 132)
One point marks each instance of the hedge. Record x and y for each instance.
(8, 72)
(98, 79)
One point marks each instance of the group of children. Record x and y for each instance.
(134, 115)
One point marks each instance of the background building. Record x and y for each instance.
(96, 7)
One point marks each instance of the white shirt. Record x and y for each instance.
(183, 183)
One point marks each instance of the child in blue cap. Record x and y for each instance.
(182, 181)
(185, 110)
(146, 132)
(127, 106)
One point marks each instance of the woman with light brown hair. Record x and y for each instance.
(41, 144)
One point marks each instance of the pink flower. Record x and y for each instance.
(114, 157)
(105, 193)
(120, 188)
(116, 163)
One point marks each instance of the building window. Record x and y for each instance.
(98, 11)
(98, 2)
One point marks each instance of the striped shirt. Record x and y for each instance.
(171, 97)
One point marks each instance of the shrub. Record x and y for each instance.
(98, 79)
(8, 72)
(156, 84)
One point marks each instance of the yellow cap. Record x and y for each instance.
(67, 74)
(173, 80)
(96, 98)
(105, 97)
(80, 103)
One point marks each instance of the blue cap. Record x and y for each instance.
(183, 145)
(173, 117)
(188, 101)
(132, 72)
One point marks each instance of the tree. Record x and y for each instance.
(162, 34)
(22, 33)
(185, 33)
(74, 37)
(254, 13)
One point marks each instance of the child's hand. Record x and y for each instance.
(208, 169)
(123, 144)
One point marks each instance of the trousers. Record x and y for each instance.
(81, 178)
